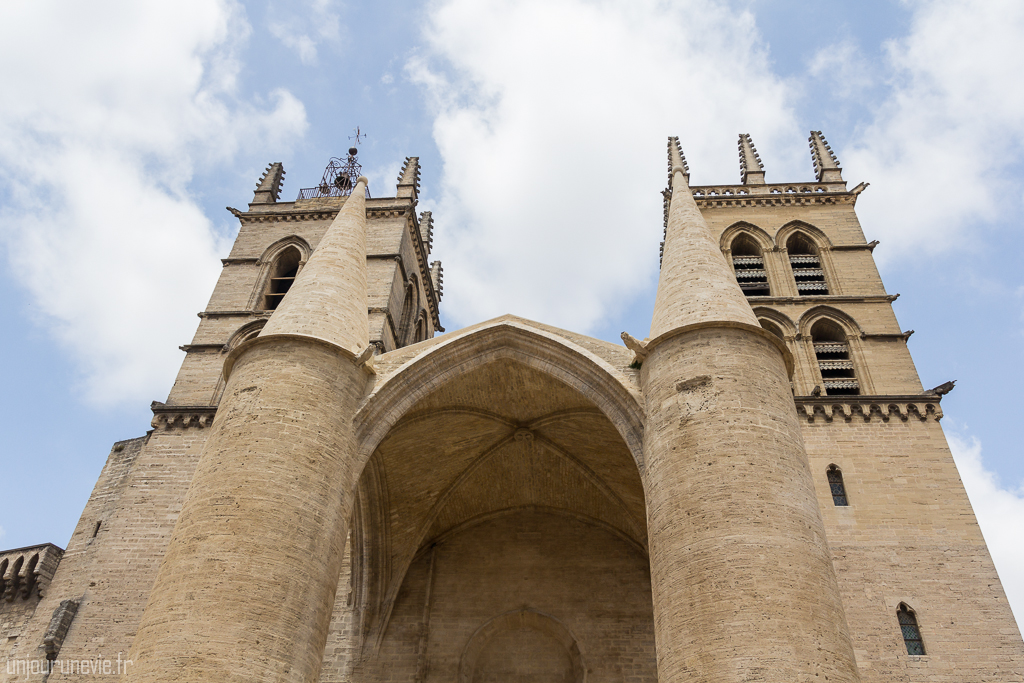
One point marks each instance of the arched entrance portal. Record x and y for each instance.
(501, 491)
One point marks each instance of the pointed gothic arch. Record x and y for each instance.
(522, 619)
(505, 337)
(280, 263)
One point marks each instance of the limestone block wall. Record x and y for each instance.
(462, 609)
(110, 570)
(857, 299)
(394, 259)
(909, 535)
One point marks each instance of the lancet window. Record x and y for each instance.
(748, 262)
(836, 486)
(805, 260)
(832, 351)
(282, 275)
(911, 632)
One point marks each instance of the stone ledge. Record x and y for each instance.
(169, 417)
(846, 408)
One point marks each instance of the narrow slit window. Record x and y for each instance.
(282, 275)
(806, 264)
(835, 484)
(832, 352)
(911, 633)
(748, 262)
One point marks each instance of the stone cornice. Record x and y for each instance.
(867, 408)
(234, 314)
(375, 208)
(168, 417)
(778, 194)
(826, 299)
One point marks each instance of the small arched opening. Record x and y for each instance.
(748, 263)
(805, 260)
(832, 351)
(282, 275)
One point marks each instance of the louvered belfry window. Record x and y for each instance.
(282, 275)
(911, 633)
(748, 262)
(835, 484)
(833, 354)
(806, 264)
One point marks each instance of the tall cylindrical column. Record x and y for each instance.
(742, 577)
(246, 589)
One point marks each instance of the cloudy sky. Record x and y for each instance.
(126, 127)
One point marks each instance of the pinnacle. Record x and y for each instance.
(751, 168)
(696, 284)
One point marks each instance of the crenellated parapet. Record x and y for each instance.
(869, 408)
(25, 573)
(268, 189)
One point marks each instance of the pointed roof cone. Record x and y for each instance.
(268, 189)
(751, 168)
(327, 301)
(409, 179)
(826, 166)
(696, 284)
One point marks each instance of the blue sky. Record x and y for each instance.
(126, 128)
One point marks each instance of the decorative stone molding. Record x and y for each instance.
(867, 408)
(25, 573)
(728, 196)
(183, 417)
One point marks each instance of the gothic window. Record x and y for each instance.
(806, 263)
(911, 633)
(748, 262)
(833, 354)
(835, 484)
(282, 275)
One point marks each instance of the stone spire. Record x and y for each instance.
(696, 283)
(826, 166)
(409, 178)
(751, 168)
(268, 189)
(328, 299)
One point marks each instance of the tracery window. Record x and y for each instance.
(911, 633)
(806, 263)
(833, 354)
(836, 486)
(748, 262)
(282, 275)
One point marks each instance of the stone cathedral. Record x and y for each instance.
(759, 490)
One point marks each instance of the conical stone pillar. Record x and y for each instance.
(246, 589)
(742, 577)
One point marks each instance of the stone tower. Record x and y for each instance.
(760, 490)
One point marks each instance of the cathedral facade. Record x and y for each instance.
(759, 490)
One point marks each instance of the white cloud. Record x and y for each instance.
(1000, 512)
(109, 108)
(844, 67)
(552, 117)
(304, 28)
(939, 149)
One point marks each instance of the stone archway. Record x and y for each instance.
(493, 653)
